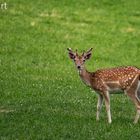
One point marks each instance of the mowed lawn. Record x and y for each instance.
(41, 94)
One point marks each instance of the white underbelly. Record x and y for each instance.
(114, 90)
(113, 86)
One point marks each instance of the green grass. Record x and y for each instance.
(41, 94)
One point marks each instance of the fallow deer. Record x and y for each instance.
(106, 81)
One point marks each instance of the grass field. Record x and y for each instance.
(41, 94)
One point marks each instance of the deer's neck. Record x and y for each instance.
(85, 76)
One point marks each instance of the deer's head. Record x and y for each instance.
(79, 60)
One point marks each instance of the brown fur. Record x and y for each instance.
(105, 81)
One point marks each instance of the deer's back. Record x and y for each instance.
(120, 77)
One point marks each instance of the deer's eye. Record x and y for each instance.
(84, 60)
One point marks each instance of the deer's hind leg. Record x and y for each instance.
(133, 93)
(138, 91)
(137, 95)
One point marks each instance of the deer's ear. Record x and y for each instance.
(71, 54)
(87, 55)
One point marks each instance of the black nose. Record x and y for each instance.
(78, 67)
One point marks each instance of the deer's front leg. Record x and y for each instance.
(99, 106)
(107, 104)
